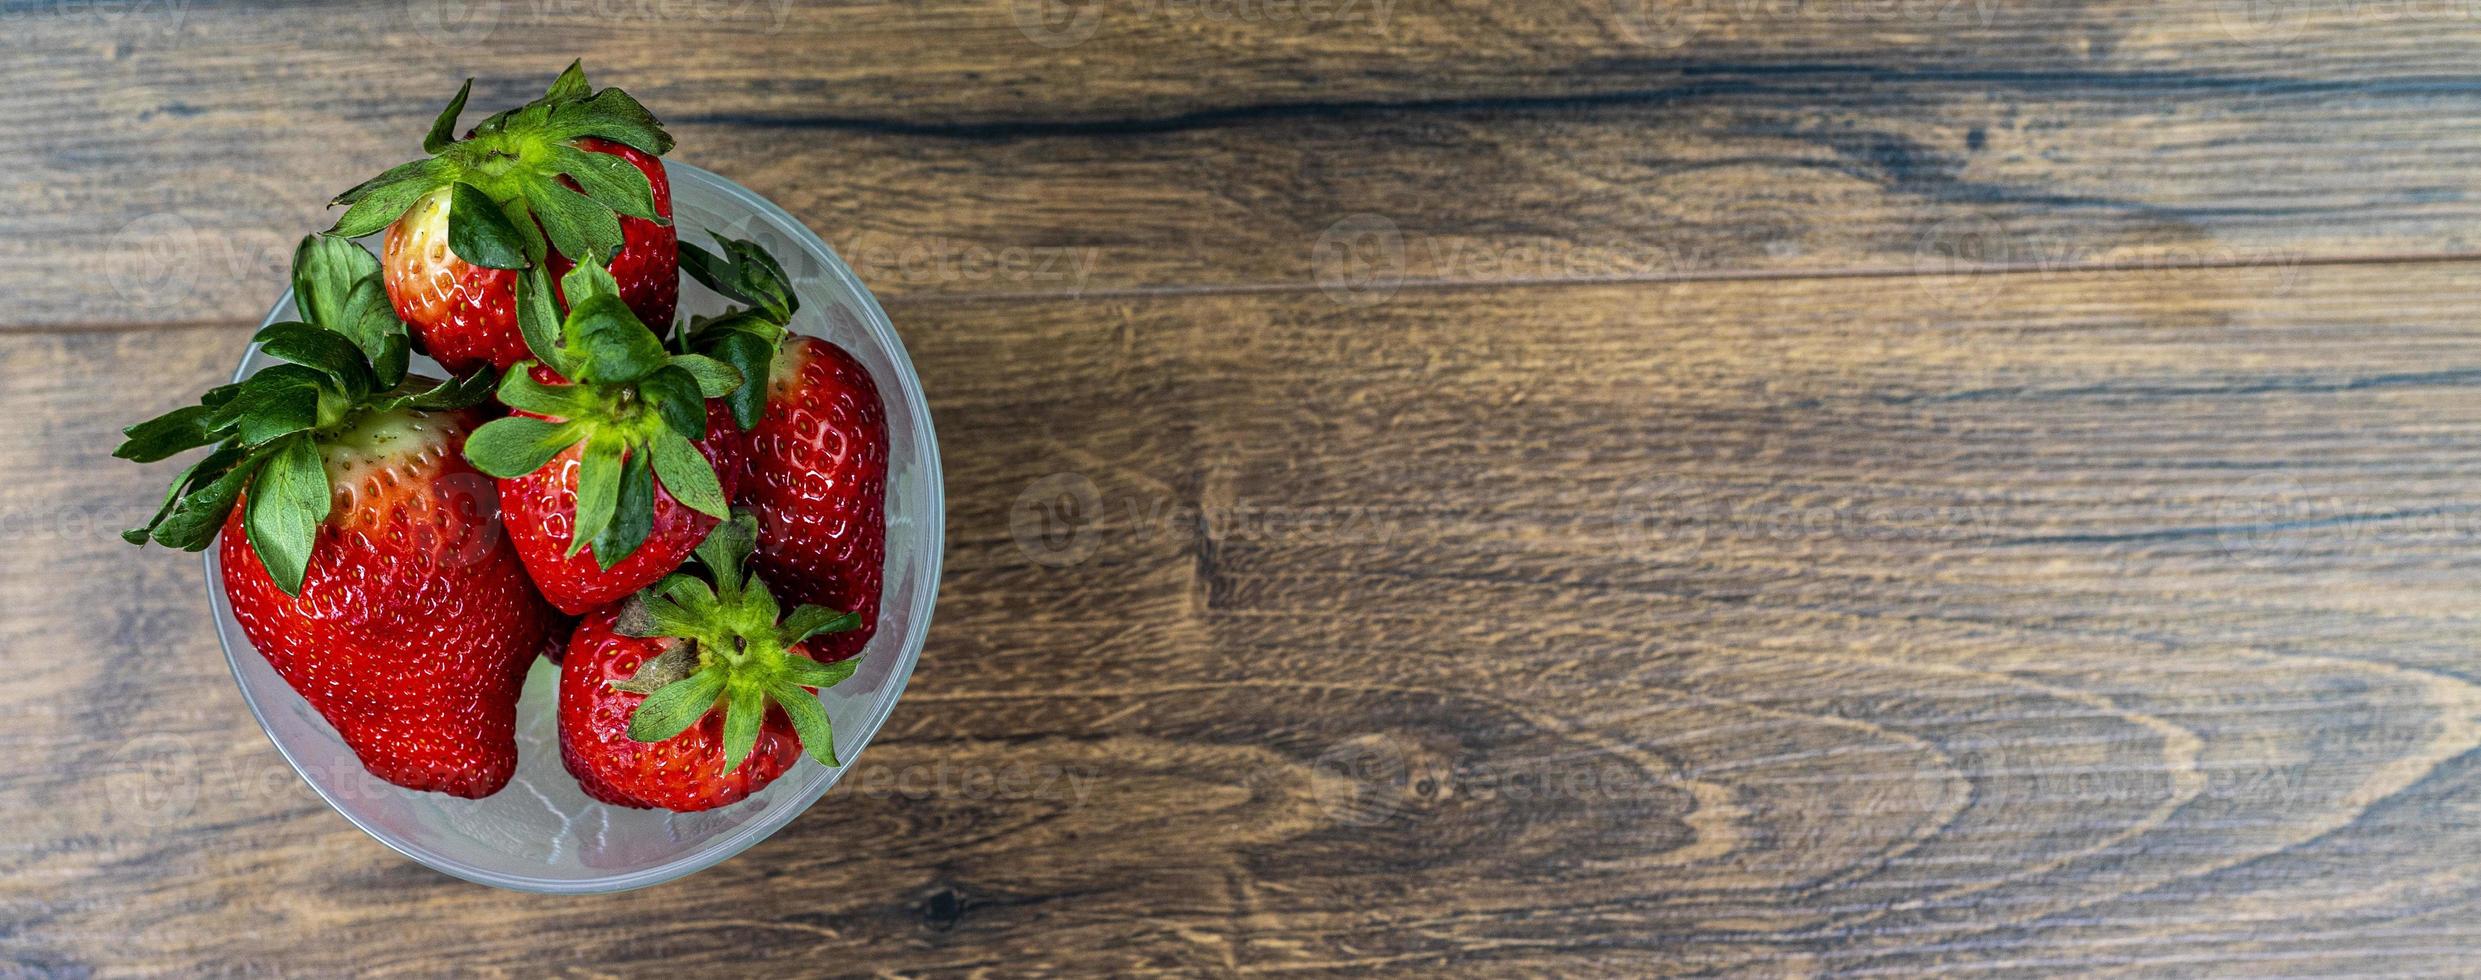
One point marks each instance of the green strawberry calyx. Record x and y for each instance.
(509, 183)
(749, 336)
(736, 651)
(347, 361)
(635, 410)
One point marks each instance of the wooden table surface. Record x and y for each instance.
(1858, 488)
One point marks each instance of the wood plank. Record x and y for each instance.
(168, 156)
(1881, 626)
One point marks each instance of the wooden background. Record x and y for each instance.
(1749, 487)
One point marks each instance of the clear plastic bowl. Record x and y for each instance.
(541, 834)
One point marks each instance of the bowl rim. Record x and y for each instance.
(741, 838)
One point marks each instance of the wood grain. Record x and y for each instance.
(164, 157)
(2095, 623)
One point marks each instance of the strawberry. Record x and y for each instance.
(815, 474)
(480, 231)
(698, 692)
(608, 465)
(365, 560)
(814, 463)
(539, 507)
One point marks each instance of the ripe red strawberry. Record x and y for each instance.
(465, 315)
(414, 623)
(609, 466)
(479, 232)
(814, 468)
(540, 506)
(815, 474)
(696, 693)
(366, 561)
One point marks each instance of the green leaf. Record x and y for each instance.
(758, 601)
(715, 378)
(479, 232)
(395, 354)
(288, 502)
(676, 399)
(370, 322)
(384, 198)
(612, 115)
(444, 128)
(609, 344)
(465, 392)
(220, 395)
(276, 402)
(206, 469)
(598, 490)
(657, 616)
(325, 351)
(166, 435)
(688, 474)
(692, 594)
(587, 232)
(745, 706)
(753, 358)
(538, 318)
(671, 710)
(500, 121)
(536, 246)
(610, 180)
(393, 175)
(517, 445)
(724, 552)
(763, 269)
(713, 271)
(808, 621)
(633, 514)
(745, 273)
(519, 390)
(325, 272)
(585, 282)
(818, 735)
(200, 513)
(570, 86)
(810, 673)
